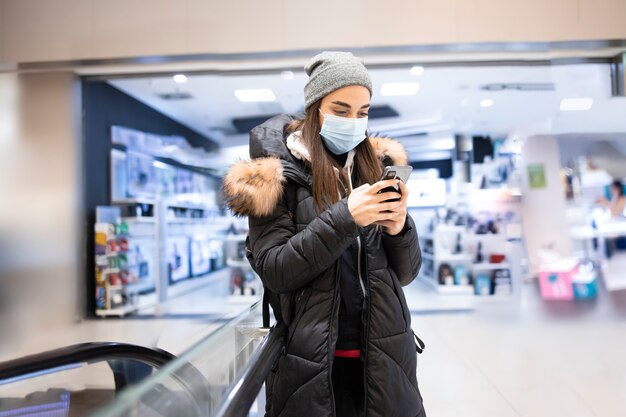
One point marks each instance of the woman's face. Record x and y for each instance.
(352, 101)
(614, 192)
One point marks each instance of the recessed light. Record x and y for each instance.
(180, 78)
(399, 89)
(257, 95)
(417, 70)
(486, 102)
(287, 75)
(576, 104)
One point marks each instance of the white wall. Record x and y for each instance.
(544, 210)
(54, 30)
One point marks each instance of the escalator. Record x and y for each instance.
(222, 375)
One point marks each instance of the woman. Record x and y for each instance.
(336, 252)
(617, 203)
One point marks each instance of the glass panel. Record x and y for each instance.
(72, 390)
(195, 383)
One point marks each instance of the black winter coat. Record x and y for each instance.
(297, 254)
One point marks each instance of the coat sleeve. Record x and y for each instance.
(403, 252)
(287, 260)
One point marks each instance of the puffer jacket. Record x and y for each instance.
(297, 256)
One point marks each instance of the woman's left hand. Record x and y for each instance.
(396, 224)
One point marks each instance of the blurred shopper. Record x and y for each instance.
(617, 203)
(334, 250)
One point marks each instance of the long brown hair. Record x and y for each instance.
(368, 167)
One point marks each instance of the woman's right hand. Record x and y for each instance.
(367, 206)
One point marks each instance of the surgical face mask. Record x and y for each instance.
(342, 134)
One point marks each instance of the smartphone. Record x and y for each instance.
(400, 172)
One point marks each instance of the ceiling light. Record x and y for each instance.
(576, 104)
(399, 89)
(287, 75)
(486, 102)
(258, 95)
(417, 70)
(180, 78)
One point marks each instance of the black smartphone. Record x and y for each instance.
(400, 172)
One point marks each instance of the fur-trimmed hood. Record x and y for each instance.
(253, 187)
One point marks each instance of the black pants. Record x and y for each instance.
(348, 387)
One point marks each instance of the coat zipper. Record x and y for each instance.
(331, 348)
(358, 240)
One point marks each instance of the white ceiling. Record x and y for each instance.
(449, 99)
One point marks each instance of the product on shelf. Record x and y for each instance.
(446, 276)
(479, 254)
(502, 284)
(462, 275)
(497, 258)
(482, 284)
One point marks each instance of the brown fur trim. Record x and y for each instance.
(391, 148)
(254, 187)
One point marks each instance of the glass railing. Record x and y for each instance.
(220, 376)
(74, 380)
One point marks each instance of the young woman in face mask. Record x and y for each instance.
(335, 251)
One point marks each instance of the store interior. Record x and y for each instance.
(510, 190)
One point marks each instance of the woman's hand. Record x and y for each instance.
(395, 224)
(367, 206)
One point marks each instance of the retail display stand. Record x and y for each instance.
(155, 251)
(456, 261)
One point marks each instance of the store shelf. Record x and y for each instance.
(119, 312)
(448, 289)
(139, 287)
(451, 257)
(187, 220)
(134, 201)
(489, 267)
(426, 236)
(490, 236)
(139, 219)
(188, 205)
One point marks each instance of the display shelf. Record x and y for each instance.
(138, 287)
(490, 266)
(448, 289)
(144, 301)
(452, 257)
(190, 206)
(489, 236)
(137, 200)
(426, 236)
(187, 220)
(139, 219)
(119, 312)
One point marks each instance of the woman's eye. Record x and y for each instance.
(363, 115)
(340, 113)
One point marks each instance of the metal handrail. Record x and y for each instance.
(239, 399)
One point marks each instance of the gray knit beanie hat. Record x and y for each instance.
(330, 71)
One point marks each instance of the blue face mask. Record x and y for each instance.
(342, 134)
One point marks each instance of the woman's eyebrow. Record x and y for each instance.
(341, 103)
